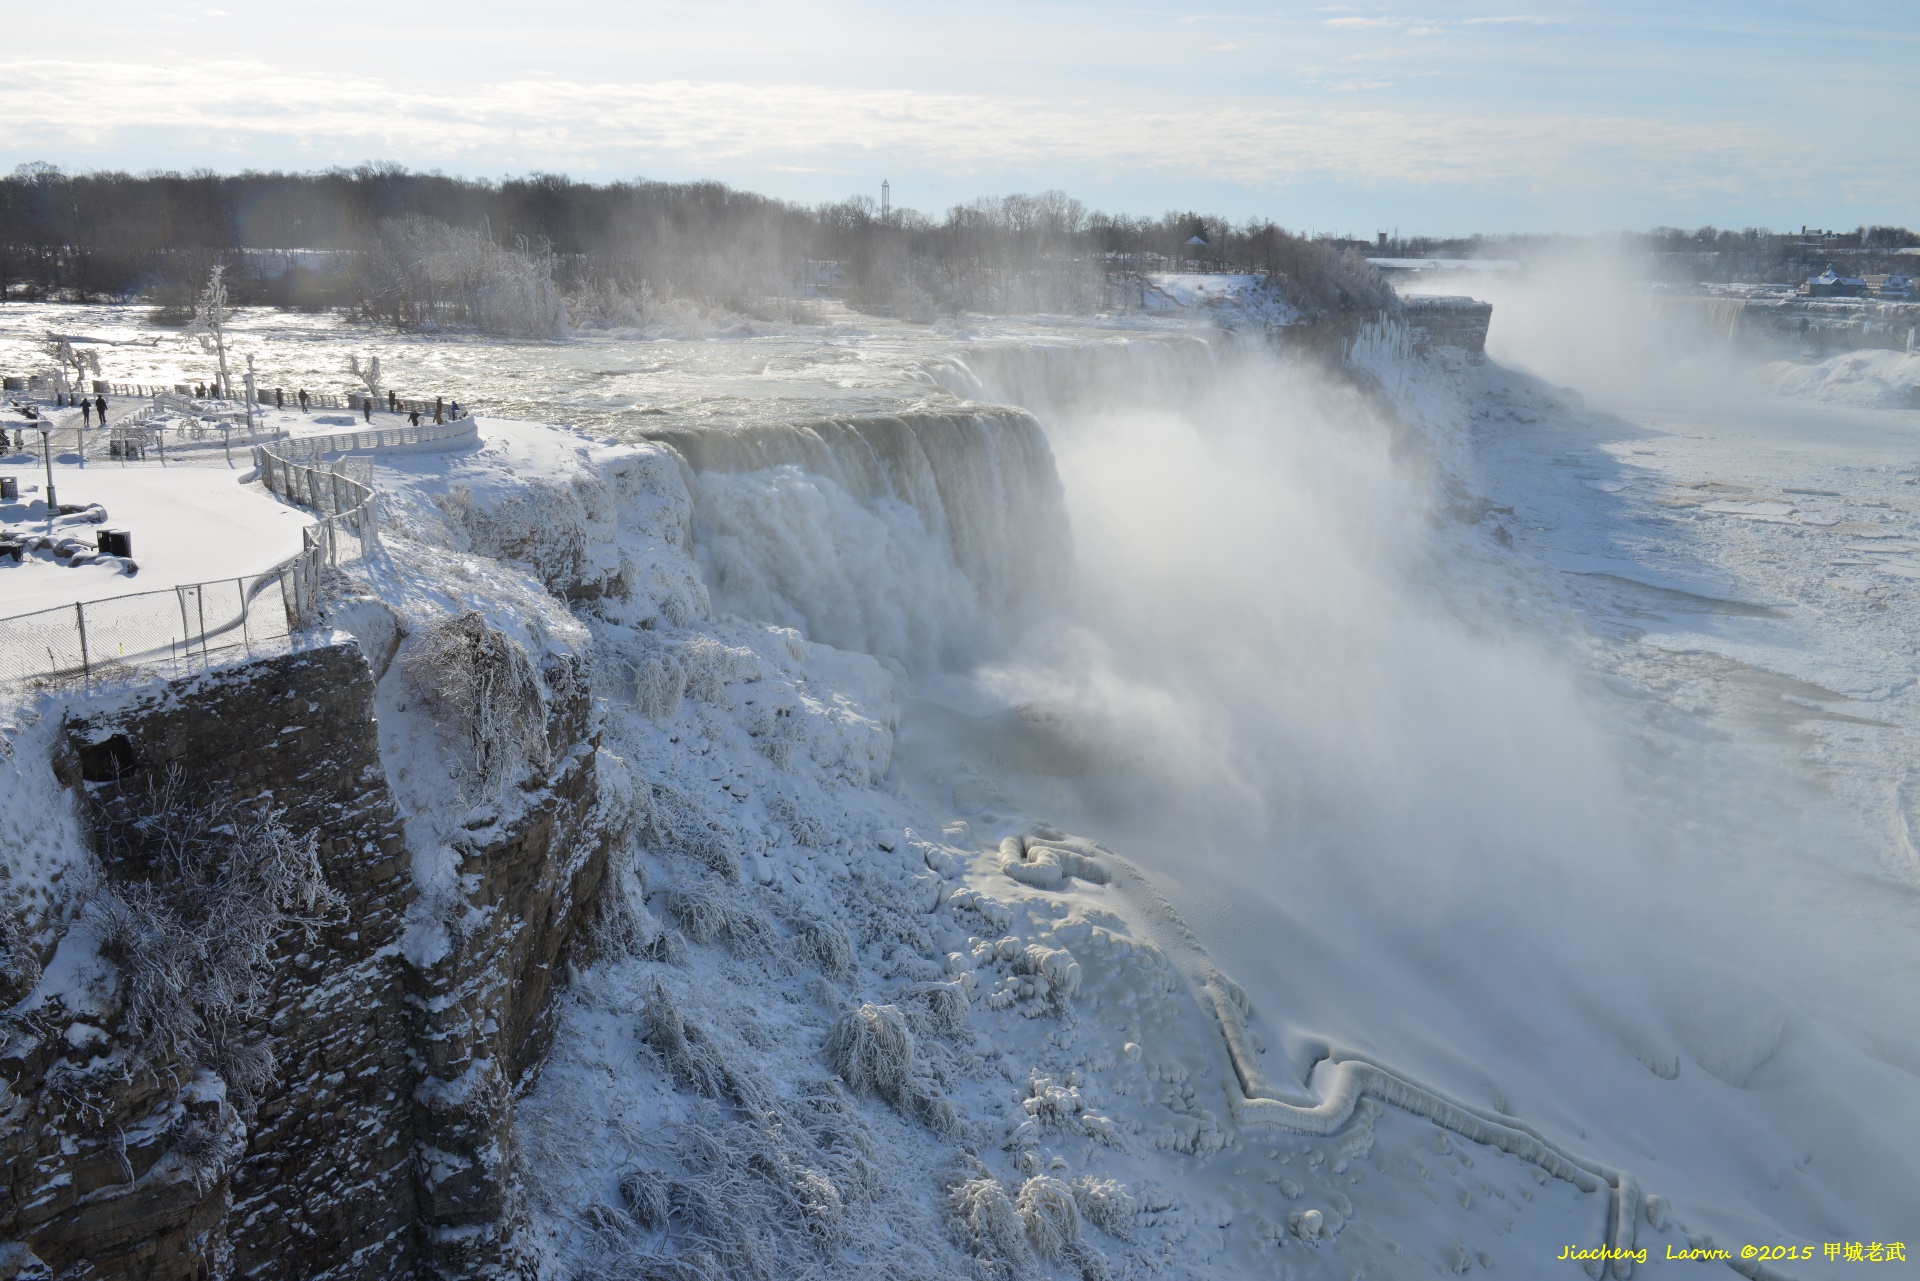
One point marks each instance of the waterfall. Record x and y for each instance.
(1048, 377)
(927, 535)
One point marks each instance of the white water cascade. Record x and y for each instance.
(924, 535)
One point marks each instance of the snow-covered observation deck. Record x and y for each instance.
(168, 552)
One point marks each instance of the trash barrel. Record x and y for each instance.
(9, 488)
(15, 384)
(114, 542)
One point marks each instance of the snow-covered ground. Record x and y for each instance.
(189, 525)
(1231, 298)
(1539, 770)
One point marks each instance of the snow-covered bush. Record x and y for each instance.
(1106, 1204)
(479, 681)
(985, 1221)
(19, 962)
(873, 1051)
(677, 823)
(1049, 1215)
(943, 1006)
(806, 826)
(659, 683)
(825, 945)
(193, 932)
(708, 915)
(689, 1053)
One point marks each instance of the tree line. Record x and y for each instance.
(536, 253)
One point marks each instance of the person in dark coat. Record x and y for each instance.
(86, 413)
(303, 400)
(439, 414)
(100, 403)
(414, 418)
(279, 397)
(366, 407)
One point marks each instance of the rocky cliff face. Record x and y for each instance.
(377, 1147)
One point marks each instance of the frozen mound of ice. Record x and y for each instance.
(1874, 379)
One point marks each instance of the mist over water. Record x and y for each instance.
(1378, 767)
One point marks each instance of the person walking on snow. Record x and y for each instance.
(366, 407)
(100, 403)
(303, 400)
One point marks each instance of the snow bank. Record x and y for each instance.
(1877, 379)
(189, 525)
(1231, 301)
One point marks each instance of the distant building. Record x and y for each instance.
(1831, 284)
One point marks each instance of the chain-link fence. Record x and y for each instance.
(176, 629)
(184, 628)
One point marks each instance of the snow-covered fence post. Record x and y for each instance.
(252, 398)
(80, 621)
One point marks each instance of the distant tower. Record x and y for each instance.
(886, 201)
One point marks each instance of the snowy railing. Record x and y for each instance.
(340, 493)
(311, 447)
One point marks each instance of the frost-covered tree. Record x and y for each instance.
(71, 359)
(369, 374)
(209, 327)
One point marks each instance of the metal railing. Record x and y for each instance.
(181, 628)
(340, 493)
(185, 627)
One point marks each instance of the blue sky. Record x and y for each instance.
(1439, 118)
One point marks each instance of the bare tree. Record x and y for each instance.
(69, 357)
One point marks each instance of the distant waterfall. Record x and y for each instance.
(926, 535)
(1047, 377)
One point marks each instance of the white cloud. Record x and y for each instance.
(1515, 19)
(1354, 24)
(305, 118)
